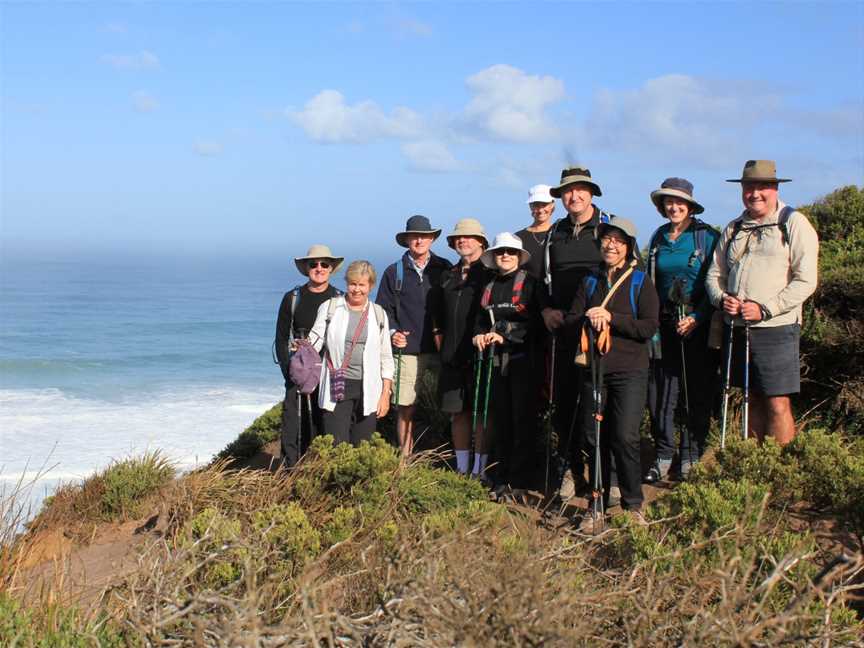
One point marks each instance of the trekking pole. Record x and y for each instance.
(490, 362)
(686, 390)
(597, 392)
(478, 369)
(398, 374)
(309, 415)
(727, 379)
(299, 422)
(746, 377)
(549, 407)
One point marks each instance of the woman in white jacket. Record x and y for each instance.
(357, 372)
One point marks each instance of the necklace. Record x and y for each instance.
(539, 241)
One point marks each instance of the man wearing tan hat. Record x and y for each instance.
(301, 421)
(764, 268)
(461, 288)
(571, 253)
(407, 290)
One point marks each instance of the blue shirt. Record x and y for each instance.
(676, 259)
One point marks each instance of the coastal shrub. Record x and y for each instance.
(56, 626)
(424, 490)
(263, 430)
(214, 538)
(289, 536)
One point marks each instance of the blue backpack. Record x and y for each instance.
(637, 279)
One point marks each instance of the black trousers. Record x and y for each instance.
(294, 444)
(666, 392)
(623, 400)
(513, 413)
(346, 422)
(567, 388)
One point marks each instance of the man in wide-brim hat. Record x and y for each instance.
(296, 316)
(571, 252)
(764, 268)
(408, 287)
(461, 288)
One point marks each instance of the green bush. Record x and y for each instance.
(263, 430)
(127, 483)
(424, 490)
(212, 536)
(55, 626)
(286, 529)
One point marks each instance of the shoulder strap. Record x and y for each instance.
(783, 222)
(604, 220)
(486, 299)
(397, 287)
(635, 290)
(590, 285)
(295, 299)
(379, 315)
(547, 279)
(652, 250)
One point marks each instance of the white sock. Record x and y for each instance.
(484, 459)
(476, 470)
(463, 458)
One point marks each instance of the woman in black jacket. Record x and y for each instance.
(506, 319)
(629, 317)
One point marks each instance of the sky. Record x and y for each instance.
(252, 130)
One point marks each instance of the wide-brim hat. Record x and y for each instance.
(505, 240)
(759, 171)
(573, 175)
(317, 252)
(676, 188)
(417, 225)
(627, 227)
(467, 227)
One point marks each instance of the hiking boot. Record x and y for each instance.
(568, 487)
(614, 496)
(658, 472)
(635, 517)
(592, 524)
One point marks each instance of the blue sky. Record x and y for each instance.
(256, 129)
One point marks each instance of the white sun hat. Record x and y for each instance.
(505, 240)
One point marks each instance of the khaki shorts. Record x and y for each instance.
(411, 367)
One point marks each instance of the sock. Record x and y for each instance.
(484, 458)
(476, 470)
(463, 457)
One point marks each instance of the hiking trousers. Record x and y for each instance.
(512, 410)
(568, 380)
(623, 401)
(346, 422)
(291, 452)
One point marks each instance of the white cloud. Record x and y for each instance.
(430, 155)
(144, 102)
(680, 116)
(327, 118)
(207, 148)
(509, 104)
(143, 60)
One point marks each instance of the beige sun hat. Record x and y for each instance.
(572, 175)
(317, 251)
(759, 171)
(505, 240)
(627, 227)
(676, 188)
(467, 227)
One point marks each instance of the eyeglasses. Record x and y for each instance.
(615, 242)
(319, 264)
(508, 251)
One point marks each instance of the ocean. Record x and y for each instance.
(100, 361)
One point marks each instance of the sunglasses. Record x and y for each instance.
(319, 264)
(508, 251)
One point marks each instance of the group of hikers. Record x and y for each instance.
(548, 343)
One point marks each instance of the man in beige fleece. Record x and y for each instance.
(764, 267)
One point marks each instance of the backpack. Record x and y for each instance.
(636, 281)
(515, 298)
(295, 293)
(547, 279)
(701, 249)
(782, 223)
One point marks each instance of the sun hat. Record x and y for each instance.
(572, 175)
(626, 226)
(540, 193)
(505, 240)
(467, 227)
(417, 224)
(317, 251)
(759, 171)
(677, 188)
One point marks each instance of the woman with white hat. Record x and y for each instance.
(296, 316)
(679, 254)
(506, 319)
(620, 305)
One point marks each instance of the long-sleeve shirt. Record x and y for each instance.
(757, 265)
(630, 334)
(411, 310)
(457, 312)
(305, 311)
(513, 322)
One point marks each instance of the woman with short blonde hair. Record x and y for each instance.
(357, 372)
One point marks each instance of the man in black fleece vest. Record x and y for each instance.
(408, 290)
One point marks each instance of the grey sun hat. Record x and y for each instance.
(505, 240)
(417, 224)
(676, 188)
(627, 227)
(467, 227)
(572, 175)
(317, 251)
(759, 171)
